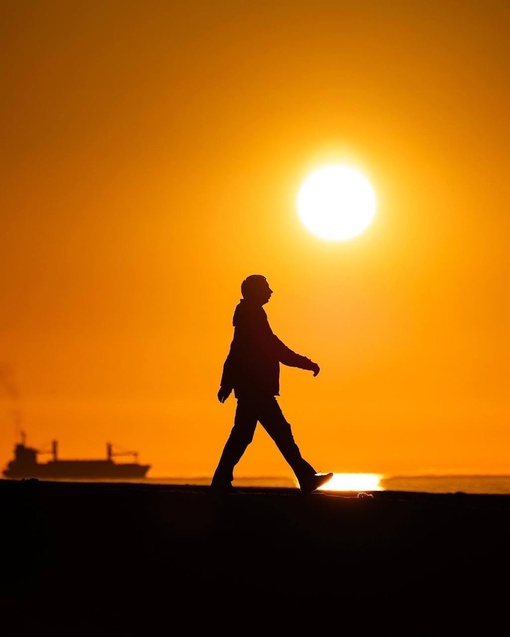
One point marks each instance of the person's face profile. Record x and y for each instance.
(264, 292)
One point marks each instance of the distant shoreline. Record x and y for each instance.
(475, 484)
(438, 484)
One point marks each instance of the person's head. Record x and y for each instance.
(256, 288)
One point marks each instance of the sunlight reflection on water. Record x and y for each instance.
(354, 482)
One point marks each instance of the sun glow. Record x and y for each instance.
(336, 202)
(353, 482)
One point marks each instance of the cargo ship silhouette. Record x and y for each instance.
(25, 464)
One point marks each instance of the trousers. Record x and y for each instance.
(263, 409)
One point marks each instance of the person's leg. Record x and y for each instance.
(241, 435)
(272, 419)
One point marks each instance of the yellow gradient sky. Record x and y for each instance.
(151, 157)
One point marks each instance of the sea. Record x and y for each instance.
(469, 484)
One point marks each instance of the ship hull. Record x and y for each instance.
(79, 469)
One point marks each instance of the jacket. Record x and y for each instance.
(252, 365)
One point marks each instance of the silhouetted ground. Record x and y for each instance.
(128, 559)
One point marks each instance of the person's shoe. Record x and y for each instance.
(221, 489)
(311, 484)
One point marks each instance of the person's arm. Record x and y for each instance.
(223, 394)
(292, 359)
(227, 379)
(314, 368)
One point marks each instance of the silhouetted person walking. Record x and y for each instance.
(252, 371)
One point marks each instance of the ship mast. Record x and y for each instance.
(110, 453)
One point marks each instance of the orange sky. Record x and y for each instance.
(151, 157)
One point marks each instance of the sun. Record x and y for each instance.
(336, 202)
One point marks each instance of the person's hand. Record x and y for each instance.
(315, 369)
(223, 394)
